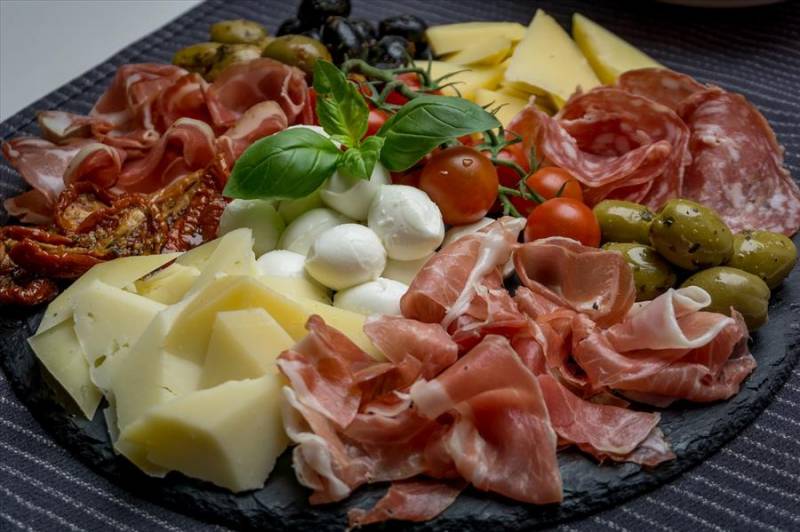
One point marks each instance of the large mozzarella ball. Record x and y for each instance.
(381, 296)
(282, 263)
(260, 216)
(408, 223)
(302, 232)
(352, 196)
(346, 255)
(404, 271)
(291, 209)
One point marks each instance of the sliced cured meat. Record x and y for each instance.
(416, 500)
(584, 279)
(661, 85)
(737, 164)
(61, 126)
(183, 99)
(261, 120)
(618, 145)
(97, 163)
(243, 85)
(604, 431)
(502, 440)
(444, 288)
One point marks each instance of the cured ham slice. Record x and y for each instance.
(737, 164)
(584, 279)
(502, 440)
(61, 126)
(261, 120)
(416, 500)
(661, 85)
(97, 163)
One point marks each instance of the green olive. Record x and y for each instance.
(732, 287)
(652, 275)
(691, 236)
(771, 256)
(624, 221)
(238, 31)
(197, 57)
(229, 54)
(297, 50)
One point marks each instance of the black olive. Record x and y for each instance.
(342, 39)
(290, 26)
(314, 33)
(365, 29)
(314, 13)
(391, 51)
(410, 27)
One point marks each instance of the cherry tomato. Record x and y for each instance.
(410, 80)
(462, 182)
(547, 182)
(409, 178)
(509, 177)
(376, 119)
(311, 103)
(566, 217)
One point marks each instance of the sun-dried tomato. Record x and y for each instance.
(79, 200)
(57, 262)
(26, 292)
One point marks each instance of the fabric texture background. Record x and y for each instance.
(752, 483)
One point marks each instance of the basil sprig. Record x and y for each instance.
(295, 162)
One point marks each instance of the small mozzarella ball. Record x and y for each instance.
(381, 296)
(408, 223)
(282, 263)
(292, 209)
(346, 255)
(260, 216)
(352, 196)
(457, 231)
(404, 271)
(302, 232)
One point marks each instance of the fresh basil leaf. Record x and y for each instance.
(360, 162)
(341, 109)
(426, 122)
(289, 164)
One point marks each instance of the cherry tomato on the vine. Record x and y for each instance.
(567, 217)
(410, 80)
(375, 121)
(550, 180)
(462, 182)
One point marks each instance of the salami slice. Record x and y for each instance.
(661, 85)
(737, 164)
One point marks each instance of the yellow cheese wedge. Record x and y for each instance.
(244, 345)
(229, 435)
(609, 55)
(489, 51)
(109, 320)
(168, 285)
(119, 273)
(297, 287)
(504, 106)
(467, 79)
(233, 255)
(198, 257)
(449, 38)
(548, 60)
(59, 351)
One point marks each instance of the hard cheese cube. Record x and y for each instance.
(169, 285)
(229, 435)
(449, 38)
(244, 345)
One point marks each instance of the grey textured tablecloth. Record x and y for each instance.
(752, 483)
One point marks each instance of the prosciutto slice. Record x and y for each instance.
(411, 500)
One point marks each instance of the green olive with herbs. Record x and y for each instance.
(297, 50)
(624, 221)
(652, 275)
(734, 288)
(240, 31)
(691, 236)
(771, 256)
(230, 54)
(198, 57)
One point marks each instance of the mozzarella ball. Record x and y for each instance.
(457, 231)
(381, 296)
(292, 209)
(352, 196)
(408, 223)
(282, 263)
(346, 255)
(260, 216)
(404, 271)
(302, 232)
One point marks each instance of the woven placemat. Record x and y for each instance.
(752, 483)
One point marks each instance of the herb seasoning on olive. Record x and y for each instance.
(297, 50)
(734, 288)
(652, 275)
(624, 221)
(239, 31)
(771, 256)
(198, 57)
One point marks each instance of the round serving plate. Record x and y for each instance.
(722, 49)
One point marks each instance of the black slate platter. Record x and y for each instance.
(670, 34)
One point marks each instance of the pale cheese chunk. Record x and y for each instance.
(169, 285)
(489, 51)
(233, 255)
(297, 286)
(244, 345)
(505, 107)
(449, 38)
(547, 60)
(230, 435)
(466, 79)
(119, 273)
(59, 351)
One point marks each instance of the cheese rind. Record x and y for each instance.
(608, 54)
(547, 60)
(449, 38)
(229, 435)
